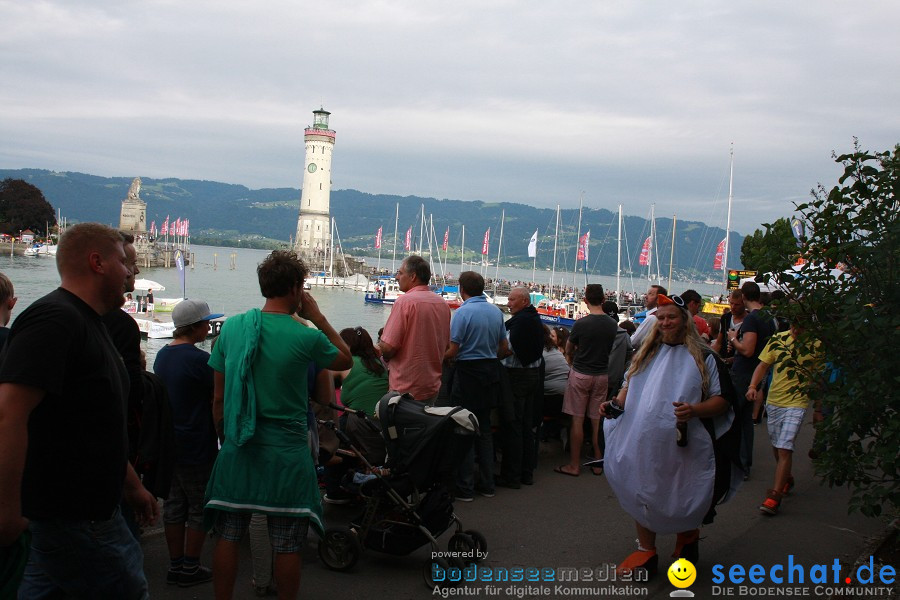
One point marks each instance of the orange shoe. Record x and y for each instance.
(771, 503)
(642, 559)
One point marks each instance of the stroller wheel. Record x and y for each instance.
(481, 545)
(339, 549)
(464, 543)
(436, 573)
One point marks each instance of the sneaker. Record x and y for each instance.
(265, 590)
(172, 576)
(485, 493)
(199, 575)
(462, 498)
(771, 503)
(513, 485)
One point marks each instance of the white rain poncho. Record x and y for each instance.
(664, 487)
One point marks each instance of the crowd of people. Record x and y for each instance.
(665, 410)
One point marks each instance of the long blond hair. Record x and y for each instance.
(653, 342)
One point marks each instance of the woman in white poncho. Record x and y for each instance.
(667, 488)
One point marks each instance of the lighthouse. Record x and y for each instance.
(313, 226)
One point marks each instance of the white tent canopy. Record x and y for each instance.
(148, 284)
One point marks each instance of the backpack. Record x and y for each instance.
(155, 461)
(727, 447)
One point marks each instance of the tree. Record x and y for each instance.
(23, 206)
(770, 252)
(847, 298)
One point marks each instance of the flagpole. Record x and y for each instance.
(534, 264)
(462, 251)
(650, 247)
(577, 243)
(555, 243)
(587, 242)
(394, 255)
(378, 268)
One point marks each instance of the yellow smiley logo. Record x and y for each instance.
(682, 573)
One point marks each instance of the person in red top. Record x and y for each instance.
(417, 334)
(693, 301)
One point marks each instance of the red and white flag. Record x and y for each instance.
(720, 256)
(487, 241)
(153, 228)
(165, 227)
(583, 246)
(408, 244)
(378, 239)
(187, 227)
(446, 239)
(645, 253)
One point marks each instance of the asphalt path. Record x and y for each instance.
(565, 522)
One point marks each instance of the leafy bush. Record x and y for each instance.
(847, 297)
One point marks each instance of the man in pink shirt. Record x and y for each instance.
(416, 334)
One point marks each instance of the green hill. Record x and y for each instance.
(230, 214)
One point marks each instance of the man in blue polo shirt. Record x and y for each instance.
(477, 336)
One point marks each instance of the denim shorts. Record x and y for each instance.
(286, 534)
(84, 559)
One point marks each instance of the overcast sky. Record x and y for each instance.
(532, 102)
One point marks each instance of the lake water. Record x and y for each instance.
(232, 291)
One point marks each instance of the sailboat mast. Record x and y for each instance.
(577, 243)
(499, 248)
(555, 242)
(652, 241)
(672, 253)
(728, 221)
(619, 259)
(380, 244)
(331, 267)
(394, 255)
(422, 230)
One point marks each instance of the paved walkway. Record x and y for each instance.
(577, 522)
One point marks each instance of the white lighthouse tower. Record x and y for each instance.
(314, 224)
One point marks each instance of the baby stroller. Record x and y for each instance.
(407, 504)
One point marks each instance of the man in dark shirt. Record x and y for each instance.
(63, 440)
(126, 337)
(588, 348)
(748, 341)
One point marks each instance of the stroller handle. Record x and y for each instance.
(358, 413)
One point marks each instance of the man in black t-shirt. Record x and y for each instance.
(63, 440)
(748, 341)
(588, 350)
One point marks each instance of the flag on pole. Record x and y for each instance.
(378, 239)
(446, 239)
(408, 243)
(799, 230)
(187, 227)
(487, 241)
(583, 246)
(720, 256)
(645, 253)
(153, 228)
(532, 245)
(165, 227)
